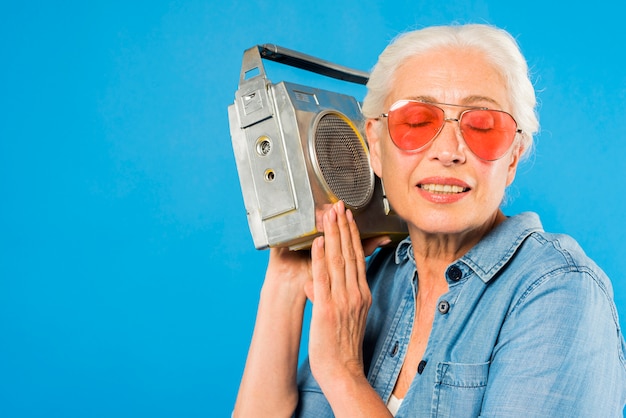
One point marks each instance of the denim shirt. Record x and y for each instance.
(528, 328)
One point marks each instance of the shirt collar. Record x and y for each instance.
(498, 246)
(404, 251)
(495, 249)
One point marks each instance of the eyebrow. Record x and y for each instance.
(476, 98)
(469, 101)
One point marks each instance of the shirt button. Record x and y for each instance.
(444, 307)
(421, 366)
(394, 350)
(454, 273)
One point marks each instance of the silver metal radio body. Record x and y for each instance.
(299, 149)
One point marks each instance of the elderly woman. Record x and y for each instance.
(475, 313)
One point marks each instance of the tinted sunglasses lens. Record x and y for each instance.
(412, 125)
(488, 133)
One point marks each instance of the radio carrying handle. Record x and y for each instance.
(252, 59)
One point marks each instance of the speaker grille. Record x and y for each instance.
(343, 160)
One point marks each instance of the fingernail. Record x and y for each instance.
(332, 214)
(349, 215)
(384, 242)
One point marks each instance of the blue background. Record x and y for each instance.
(128, 278)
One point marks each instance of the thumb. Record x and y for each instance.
(309, 290)
(370, 244)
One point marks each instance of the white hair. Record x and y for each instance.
(499, 47)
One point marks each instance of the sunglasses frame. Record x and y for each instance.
(458, 119)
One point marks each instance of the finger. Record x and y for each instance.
(350, 249)
(309, 290)
(321, 284)
(371, 244)
(332, 246)
(355, 236)
(359, 258)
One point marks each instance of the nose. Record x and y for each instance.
(448, 146)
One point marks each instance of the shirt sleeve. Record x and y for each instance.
(559, 352)
(312, 403)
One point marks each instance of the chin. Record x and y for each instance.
(445, 223)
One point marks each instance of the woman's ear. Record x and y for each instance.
(516, 156)
(372, 132)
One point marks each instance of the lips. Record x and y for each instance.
(446, 185)
(443, 188)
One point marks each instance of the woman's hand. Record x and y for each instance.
(341, 299)
(288, 268)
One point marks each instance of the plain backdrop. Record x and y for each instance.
(128, 277)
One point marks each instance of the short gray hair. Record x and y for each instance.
(499, 47)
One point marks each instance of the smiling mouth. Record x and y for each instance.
(443, 188)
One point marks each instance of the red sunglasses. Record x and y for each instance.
(488, 133)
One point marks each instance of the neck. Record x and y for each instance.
(433, 252)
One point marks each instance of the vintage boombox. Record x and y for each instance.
(299, 149)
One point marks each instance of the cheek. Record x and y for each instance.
(397, 174)
(393, 160)
(495, 181)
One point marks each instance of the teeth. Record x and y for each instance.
(442, 188)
